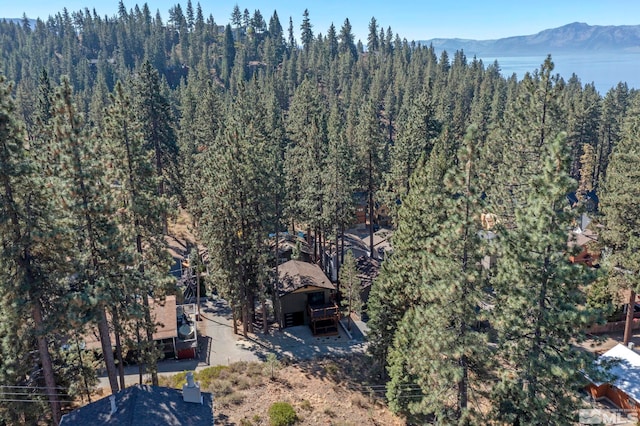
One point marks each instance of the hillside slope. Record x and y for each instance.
(576, 37)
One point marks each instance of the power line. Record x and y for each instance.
(33, 387)
(46, 401)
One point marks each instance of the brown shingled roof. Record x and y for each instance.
(295, 274)
(164, 314)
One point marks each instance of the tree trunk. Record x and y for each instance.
(342, 245)
(197, 269)
(152, 362)
(463, 385)
(251, 314)
(84, 376)
(45, 360)
(628, 325)
(234, 319)
(371, 209)
(107, 351)
(265, 327)
(140, 358)
(245, 318)
(116, 332)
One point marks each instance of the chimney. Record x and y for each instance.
(191, 390)
(112, 399)
(631, 345)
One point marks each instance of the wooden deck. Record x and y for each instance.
(324, 319)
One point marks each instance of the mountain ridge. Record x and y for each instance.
(576, 37)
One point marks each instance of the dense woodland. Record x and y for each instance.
(109, 126)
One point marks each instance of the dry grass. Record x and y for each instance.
(321, 392)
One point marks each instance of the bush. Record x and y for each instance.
(282, 414)
(209, 374)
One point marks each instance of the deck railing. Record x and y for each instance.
(321, 312)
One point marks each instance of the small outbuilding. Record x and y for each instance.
(623, 390)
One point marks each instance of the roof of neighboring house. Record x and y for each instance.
(144, 405)
(164, 314)
(295, 275)
(368, 270)
(582, 238)
(626, 371)
(287, 242)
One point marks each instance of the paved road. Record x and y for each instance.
(219, 346)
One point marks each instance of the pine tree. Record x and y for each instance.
(438, 355)
(157, 123)
(370, 145)
(620, 214)
(373, 43)
(229, 54)
(350, 287)
(538, 312)
(84, 198)
(587, 168)
(140, 213)
(515, 149)
(418, 220)
(416, 138)
(238, 206)
(236, 16)
(614, 109)
(347, 40)
(341, 177)
(32, 247)
(306, 157)
(306, 33)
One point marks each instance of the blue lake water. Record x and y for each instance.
(604, 70)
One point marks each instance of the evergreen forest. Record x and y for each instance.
(111, 127)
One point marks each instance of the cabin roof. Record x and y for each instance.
(295, 274)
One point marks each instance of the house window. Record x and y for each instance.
(316, 298)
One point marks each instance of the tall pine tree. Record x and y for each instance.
(621, 214)
(539, 295)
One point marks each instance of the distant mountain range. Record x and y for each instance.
(577, 37)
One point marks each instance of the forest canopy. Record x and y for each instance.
(112, 126)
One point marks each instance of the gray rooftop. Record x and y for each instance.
(144, 405)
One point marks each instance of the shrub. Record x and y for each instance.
(233, 398)
(254, 369)
(282, 414)
(221, 387)
(242, 383)
(359, 401)
(207, 375)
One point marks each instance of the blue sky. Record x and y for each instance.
(413, 20)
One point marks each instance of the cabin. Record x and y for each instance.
(176, 331)
(361, 201)
(306, 296)
(291, 246)
(585, 241)
(623, 390)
